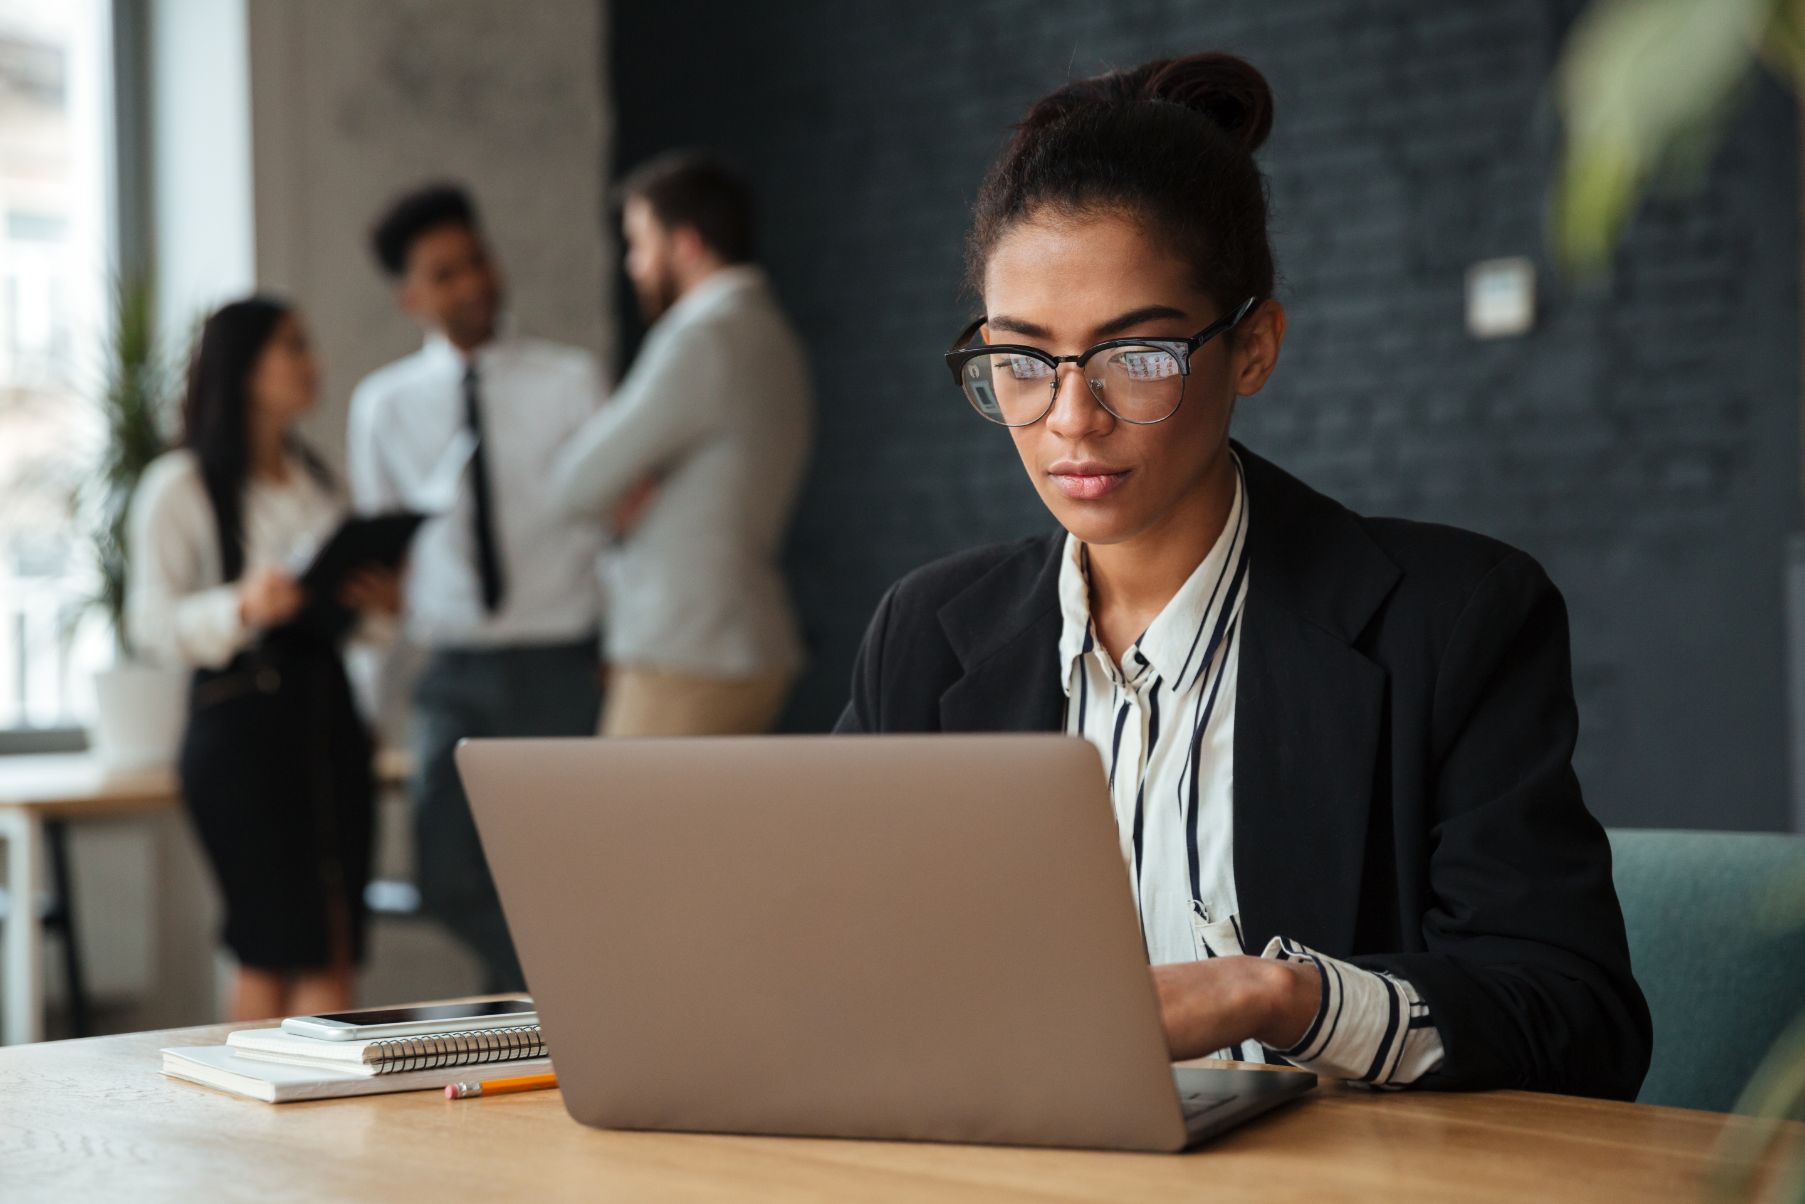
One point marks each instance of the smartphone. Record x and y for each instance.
(373, 1023)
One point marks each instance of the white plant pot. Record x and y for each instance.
(139, 713)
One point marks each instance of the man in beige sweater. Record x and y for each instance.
(696, 464)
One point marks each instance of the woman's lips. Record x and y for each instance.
(1089, 485)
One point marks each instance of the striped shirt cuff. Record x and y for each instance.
(1371, 1027)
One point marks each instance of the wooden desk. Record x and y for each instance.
(94, 1119)
(37, 789)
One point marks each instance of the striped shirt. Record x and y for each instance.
(1164, 721)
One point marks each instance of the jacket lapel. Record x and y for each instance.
(1004, 628)
(1309, 709)
(1309, 714)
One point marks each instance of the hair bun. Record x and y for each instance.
(1228, 90)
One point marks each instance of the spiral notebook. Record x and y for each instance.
(219, 1067)
(391, 1055)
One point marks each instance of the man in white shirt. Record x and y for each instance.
(502, 589)
(697, 460)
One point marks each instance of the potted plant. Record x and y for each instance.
(138, 705)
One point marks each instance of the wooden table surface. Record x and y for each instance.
(94, 1120)
(75, 785)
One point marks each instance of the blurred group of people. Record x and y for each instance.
(591, 560)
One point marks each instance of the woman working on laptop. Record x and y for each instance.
(1338, 748)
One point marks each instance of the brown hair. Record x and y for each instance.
(216, 415)
(1171, 142)
(687, 188)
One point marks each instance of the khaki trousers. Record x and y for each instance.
(651, 702)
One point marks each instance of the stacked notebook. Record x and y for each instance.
(277, 1067)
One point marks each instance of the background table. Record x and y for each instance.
(94, 1119)
(36, 791)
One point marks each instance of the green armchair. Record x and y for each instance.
(1721, 964)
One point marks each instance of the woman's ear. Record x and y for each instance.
(1256, 347)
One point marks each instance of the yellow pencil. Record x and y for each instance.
(526, 1082)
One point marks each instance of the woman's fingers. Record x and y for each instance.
(1213, 1004)
(372, 589)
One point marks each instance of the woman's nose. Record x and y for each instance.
(1076, 411)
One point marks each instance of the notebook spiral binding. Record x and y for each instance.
(474, 1048)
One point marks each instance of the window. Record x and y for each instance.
(55, 250)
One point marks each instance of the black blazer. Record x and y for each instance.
(1404, 794)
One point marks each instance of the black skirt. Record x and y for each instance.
(276, 770)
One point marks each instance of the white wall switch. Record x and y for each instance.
(1501, 298)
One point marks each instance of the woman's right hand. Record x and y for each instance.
(268, 597)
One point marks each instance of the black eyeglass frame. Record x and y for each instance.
(1182, 350)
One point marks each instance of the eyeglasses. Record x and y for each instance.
(1140, 381)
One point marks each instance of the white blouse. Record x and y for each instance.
(179, 611)
(1164, 722)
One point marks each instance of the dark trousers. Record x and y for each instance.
(523, 690)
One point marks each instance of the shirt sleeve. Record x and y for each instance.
(670, 401)
(170, 616)
(1371, 1026)
(374, 489)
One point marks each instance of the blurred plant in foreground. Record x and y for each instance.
(1645, 88)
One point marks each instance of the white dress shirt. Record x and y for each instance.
(407, 449)
(717, 409)
(1164, 722)
(179, 611)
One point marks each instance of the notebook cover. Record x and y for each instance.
(277, 1083)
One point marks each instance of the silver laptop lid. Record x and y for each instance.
(886, 937)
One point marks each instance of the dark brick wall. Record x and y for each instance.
(1642, 441)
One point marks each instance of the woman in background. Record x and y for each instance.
(275, 762)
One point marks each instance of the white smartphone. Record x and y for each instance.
(373, 1023)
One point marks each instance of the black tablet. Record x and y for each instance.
(373, 541)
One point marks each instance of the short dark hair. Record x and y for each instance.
(1171, 141)
(686, 188)
(415, 213)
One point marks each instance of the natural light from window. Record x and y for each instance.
(55, 170)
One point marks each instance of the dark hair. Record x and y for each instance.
(685, 188)
(216, 415)
(1171, 141)
(416, 213)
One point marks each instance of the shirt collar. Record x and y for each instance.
(439, 352)
(1175, 640)
(714, 288)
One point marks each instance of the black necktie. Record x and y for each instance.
(488, 552)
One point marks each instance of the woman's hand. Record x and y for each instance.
(376, 591)
(268, 597)
(1212, 1004)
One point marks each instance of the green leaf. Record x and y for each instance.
(1644, 88)
(133, 396)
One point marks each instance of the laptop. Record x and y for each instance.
(896, 937)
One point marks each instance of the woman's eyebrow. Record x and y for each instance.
(1016, 326)
(1134, 317)
(1115, 326)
